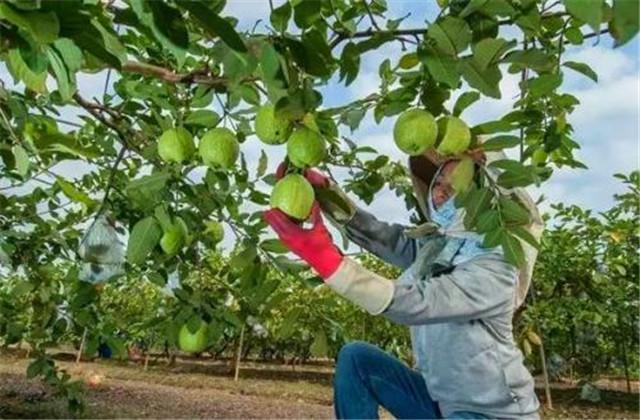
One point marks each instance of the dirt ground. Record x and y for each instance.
(203, 389)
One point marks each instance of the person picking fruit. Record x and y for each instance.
(457, 297)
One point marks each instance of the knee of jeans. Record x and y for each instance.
(346, 366)
(351, 353)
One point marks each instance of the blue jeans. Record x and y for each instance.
(366, 377)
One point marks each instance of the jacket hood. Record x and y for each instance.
(422, 172)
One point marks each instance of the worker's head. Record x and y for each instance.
(442, 189)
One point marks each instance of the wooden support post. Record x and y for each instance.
(543, 358)
(239, 355)
(81, 349)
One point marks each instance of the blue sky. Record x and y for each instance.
(605, 124)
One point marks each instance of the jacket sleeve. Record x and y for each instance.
(480, 288)
(387, 241)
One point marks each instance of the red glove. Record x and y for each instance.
(313, 245)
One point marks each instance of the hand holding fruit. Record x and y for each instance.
(314, 245)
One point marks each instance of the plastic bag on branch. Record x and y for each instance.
(173, 282)
(103, 251)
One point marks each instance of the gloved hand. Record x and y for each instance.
(313, 245)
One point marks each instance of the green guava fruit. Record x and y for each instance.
(462, 175)
(454, 136)
(193, 343)
(271, 128)
(215, 230)
(306, 148)
(293, 195)
(175, 145)
(172, 240)
(219, 148)
(415, 131)
(539, 157)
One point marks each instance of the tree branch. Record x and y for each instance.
(93, 108)
(342, 36)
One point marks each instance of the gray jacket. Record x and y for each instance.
(460, 317)
(460, 321)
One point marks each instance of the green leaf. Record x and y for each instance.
(471, 7)
(464, 101)
(73, 193)
(315, 57)
(166, 25)
(70, 53)
(486, 80)
(110, 43)
(513, 212)
(624, 25)
(66, 79)
(22, 160)
(147, 191)
(489, 51)
(535, 59)
(501, 142)
(144, 237)
(289, 323)
(213, 24)
(513, 251)
(409, 61)
(319, 347)
(306, 13)
(349, 63)
(493, 238)
(589, 12)
(244, 258)
(44, 27)
(203, 118)
(353, 118)
(441, 67)
(162, 216)
(491, 127)
(43, 133)
(582, 68)
(488, 221)
(274, 245)
(262, 164)
(280, 17)
(515, 174)
(476, 202)
(574, 35)
(270, 64)
(451, 35)
(524, 234)
(33, 79)
(542, 85)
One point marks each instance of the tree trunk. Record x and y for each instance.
(238, 355)
(624, 356)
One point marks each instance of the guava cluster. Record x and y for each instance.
(218, 147)
(306, 148)
(417, 132)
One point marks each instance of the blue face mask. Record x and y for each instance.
(444, 215)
